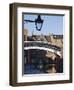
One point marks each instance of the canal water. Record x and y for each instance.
(37, 64)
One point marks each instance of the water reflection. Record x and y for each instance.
(35, 62)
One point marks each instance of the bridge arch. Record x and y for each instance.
(43, 48)
(47, 46)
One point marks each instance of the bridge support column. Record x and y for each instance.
(53, 66)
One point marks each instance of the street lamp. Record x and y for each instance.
(38, 22)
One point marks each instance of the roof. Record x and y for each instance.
(58, 36)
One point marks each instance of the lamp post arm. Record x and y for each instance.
(29, 21)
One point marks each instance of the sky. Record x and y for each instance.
(52, 24)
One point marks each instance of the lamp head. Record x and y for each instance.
(38, 23)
